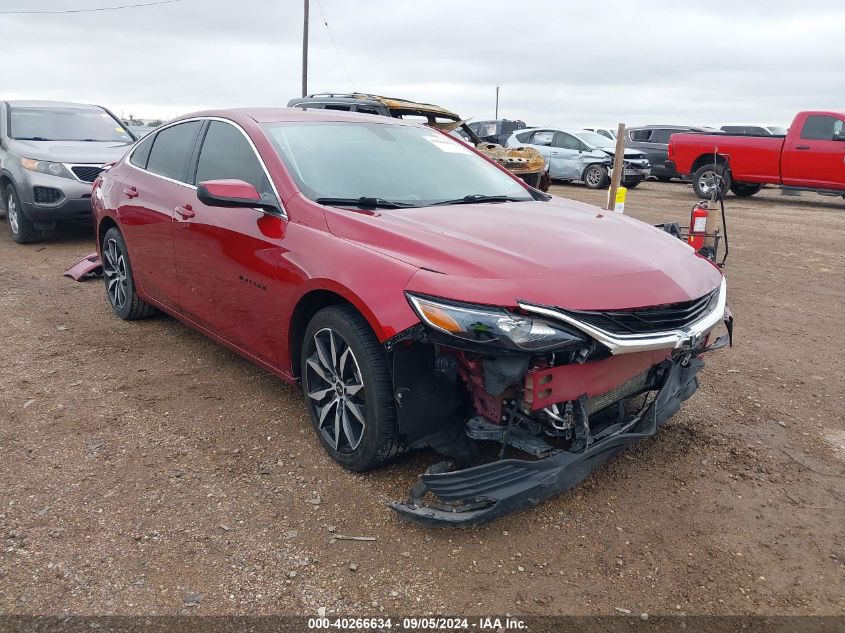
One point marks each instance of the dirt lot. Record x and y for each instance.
(147, 470)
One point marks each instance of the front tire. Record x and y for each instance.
(348, 389)
(706, 179)
(117, 275)
(745, 190)
(22, 229)
(596, 177)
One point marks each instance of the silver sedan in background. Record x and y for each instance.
(575, 154)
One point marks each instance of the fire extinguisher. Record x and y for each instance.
(698, 225)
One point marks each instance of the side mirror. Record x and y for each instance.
(233, 193)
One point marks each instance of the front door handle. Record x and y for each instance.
(802, 147)
(185, 211)
(131, 192)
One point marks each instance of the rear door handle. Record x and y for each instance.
(554, 153)
(802, 147)
(185, 211)
(131, 192)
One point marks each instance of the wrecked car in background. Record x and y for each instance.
(525, 162)
(574, 154)
(422, 298)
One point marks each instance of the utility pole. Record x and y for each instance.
(497, 104)
(305, 50)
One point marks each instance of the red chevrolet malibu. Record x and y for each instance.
(419, 293)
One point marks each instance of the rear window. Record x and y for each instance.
(523, 137)
(662, 136)
(641, 136)
(544, 137)
(171, 150)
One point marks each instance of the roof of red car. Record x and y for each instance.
(273, 115)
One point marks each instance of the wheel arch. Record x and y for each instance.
(705, 159)
(590, 164)
(310, 304)
(102, 228)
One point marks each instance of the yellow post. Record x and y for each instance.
(621, 192)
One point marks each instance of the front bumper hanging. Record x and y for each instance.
(468, 497)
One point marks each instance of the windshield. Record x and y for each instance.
(397, 163)
(65, 124)
(596, 140)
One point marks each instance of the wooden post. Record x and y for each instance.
(618, 166)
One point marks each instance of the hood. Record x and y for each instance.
(629, 153)
(560, 253)
(70, 151)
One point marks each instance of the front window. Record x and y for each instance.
(66, 124)
(596, 140)
(398, 163)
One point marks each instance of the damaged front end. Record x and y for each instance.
(526, 404)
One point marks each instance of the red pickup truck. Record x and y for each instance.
(810, 157)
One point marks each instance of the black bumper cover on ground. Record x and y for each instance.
(482, 493)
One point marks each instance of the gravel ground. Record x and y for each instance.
(147, 470)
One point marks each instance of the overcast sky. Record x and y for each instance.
(558, 62)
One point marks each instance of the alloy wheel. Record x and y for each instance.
(335, 388)
(707, 182)
(594, 177)
(114, 269)
(12, 213)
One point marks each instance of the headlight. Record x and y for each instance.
(494, 326)
(46, 167)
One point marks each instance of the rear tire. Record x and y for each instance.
(596, 177)
(22, 229)
(632, 185)
(705, 178)
(348, 390)
(120, 285)
(745, 190)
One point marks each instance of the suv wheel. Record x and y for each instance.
(22, 228)
(348, 389)
(117, 275)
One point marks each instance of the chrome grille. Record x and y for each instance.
(663, 318)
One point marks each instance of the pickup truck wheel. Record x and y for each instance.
(348, 390)
(705, 179)
(117, 276)
(596, 177)
(22, 228)
(745, 190)
(632, 185)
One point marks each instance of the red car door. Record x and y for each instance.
(227, 259)
(815, 157)
(149, 184)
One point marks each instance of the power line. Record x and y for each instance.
(336, 49)
(91, 10)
